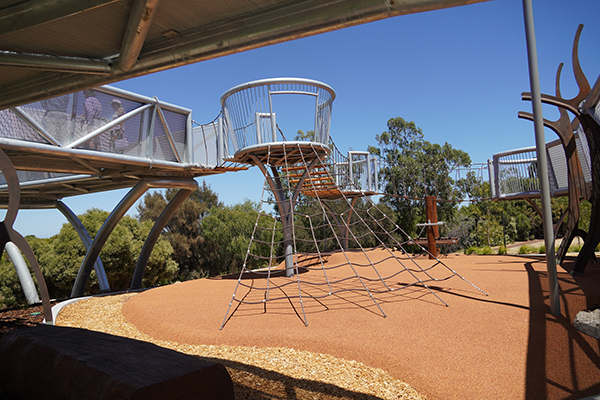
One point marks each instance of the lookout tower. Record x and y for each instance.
(252, 135)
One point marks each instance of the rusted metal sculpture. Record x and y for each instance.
(578, 188)
(592, 134)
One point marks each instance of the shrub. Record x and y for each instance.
(526, 249)
(542, 249)
(470, 250)
(485, 250)
(502, 250)
(575, 248)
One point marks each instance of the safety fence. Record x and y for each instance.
(515, 172)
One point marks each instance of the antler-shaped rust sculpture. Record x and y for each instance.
(8, 234)
(578, 188)
(592, 134)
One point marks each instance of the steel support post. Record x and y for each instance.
(432, 228)
(286, 208)
(109, 225)
(87, 242)
(540, 141)
(161, 222)
(22, 273)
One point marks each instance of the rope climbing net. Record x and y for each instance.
(343, 246)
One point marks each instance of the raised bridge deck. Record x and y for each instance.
(72, 145)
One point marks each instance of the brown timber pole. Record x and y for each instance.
(432, 230)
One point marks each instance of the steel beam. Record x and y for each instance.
(46, 62)
(33, 124)
(140, 21)
(27, 14)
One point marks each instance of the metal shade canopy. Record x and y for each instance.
(52, 47)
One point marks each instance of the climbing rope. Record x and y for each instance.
(328, 229)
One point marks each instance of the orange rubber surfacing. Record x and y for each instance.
(505, 346)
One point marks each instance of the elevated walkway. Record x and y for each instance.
(99, 140)
(94, 141)
(339, 176)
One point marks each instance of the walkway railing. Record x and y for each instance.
(515, 172)
(104, 119)
(357, 172)
(252, 117)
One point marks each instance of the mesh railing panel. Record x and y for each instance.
(79, 120)
(11, 126)
(515, 172)
(205, 148)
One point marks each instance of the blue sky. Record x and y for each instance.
(457, 73)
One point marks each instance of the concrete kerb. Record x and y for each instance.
(56, 309)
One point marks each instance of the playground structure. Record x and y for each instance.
(316, 191)
(573, 162)
(154, 144)
(77, 147)
(94, 141)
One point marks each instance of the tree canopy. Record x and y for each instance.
(61, 256)
(183, 229)
(414, 168)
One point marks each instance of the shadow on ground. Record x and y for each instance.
(562, 363)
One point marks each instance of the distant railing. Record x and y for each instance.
(250, 116)
(515, 172)
(357, 172)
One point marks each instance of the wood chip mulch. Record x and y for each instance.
(274, 373)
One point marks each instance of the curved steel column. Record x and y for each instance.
(111, 222)
(161, 222)
(98, 243)
(8, 234)
(22, 272)
(87, 242)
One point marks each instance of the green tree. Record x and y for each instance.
(227, 232)
(413, 168)
(183, 229)
(119, 254)
(61, 256)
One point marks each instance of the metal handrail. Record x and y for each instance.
(250, 116)
(515, 171)
(62, 123)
